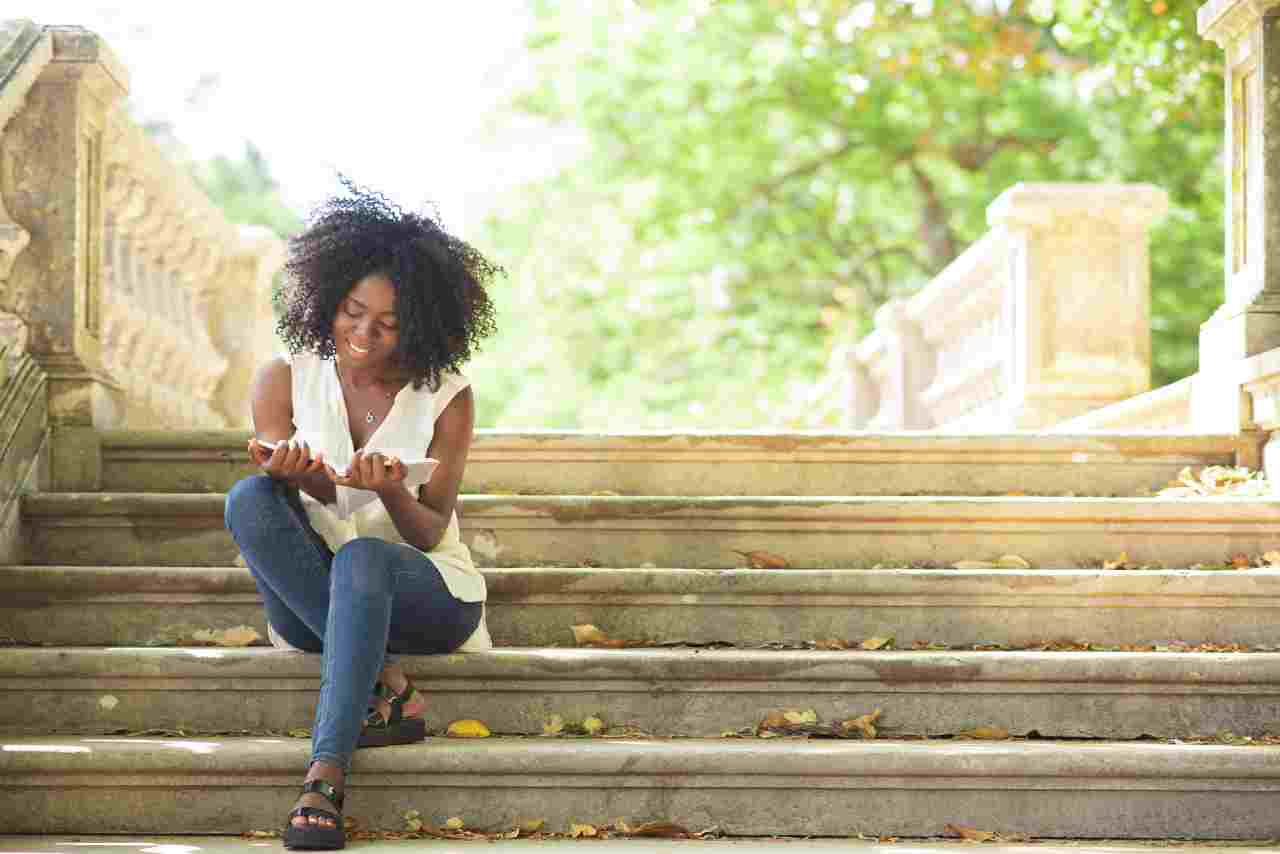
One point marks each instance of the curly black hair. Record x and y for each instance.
(442, 308)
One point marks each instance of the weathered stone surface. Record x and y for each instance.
(732, 464)
(1139, 790)
(182, 606)
(707, 532)
(23, 422)
(663, 691)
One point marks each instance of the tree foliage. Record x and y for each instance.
(760, 175)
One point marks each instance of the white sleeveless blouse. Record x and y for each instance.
(320, 415)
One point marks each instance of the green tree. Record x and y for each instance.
(760, 175)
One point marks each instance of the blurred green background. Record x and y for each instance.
(757, 176)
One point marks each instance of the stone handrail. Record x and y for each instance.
(139, 300)
(1042, 319)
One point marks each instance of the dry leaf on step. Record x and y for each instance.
(1013, 562)
(831, 644)
(659, 830)
(1241, 561)
(588, 635)
(553, 725)
(975, 564)
(808, 716)
(1122, 562)
(468, 728)
(1271, 559)
(865, 724)
(592, 725)
(532, 825)
(454, 823)
(579, 830)
(876, 643)
(987, 733)
(970, 833)
(764, 560)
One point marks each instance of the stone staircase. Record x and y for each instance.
(136, 693)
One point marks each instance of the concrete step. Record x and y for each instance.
(1136, 790)
(552, 463)
(664, 692)
(182, 605)
(621, 531)
(58, 844)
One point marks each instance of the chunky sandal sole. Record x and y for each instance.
(317, 837)
(407, 731)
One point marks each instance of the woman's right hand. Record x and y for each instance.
(290, 460)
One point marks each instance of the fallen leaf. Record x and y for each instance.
(987, 733)
(300, 733)
(592, 725)
(970, 833)
(764, 560)
(794, 718)
(532, 825)
(468, 728)
(454, 823)
(1241, 561)
(865, 724)
(1013, 562)
(553, 725)
(1271, 558)
(579, 830)
(876, 643)
(975, 564)
(831, 644)
(588, 635)
(660, 830)
(1121, 562)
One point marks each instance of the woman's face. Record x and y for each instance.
(365, 329)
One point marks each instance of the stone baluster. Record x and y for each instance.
(907, 366)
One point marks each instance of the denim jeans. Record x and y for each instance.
(353, 607)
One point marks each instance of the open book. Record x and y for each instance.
(350, 500)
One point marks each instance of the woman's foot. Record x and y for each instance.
(394, 677)
(332, 775)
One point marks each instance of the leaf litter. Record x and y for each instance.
(1217, 482)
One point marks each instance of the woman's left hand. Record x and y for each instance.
(375, 472)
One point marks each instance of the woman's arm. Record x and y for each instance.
(272, 405)
(422, 519)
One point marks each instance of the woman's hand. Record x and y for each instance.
(374, 472)
(289, 461)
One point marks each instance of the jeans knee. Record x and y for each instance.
(362, 565)
(247, 500)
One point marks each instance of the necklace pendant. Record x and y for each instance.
(368, 419)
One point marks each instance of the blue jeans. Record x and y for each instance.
(352, 607)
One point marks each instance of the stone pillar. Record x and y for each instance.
(1076, 313)
(1248, 321)
(51, 180)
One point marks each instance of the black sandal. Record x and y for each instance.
(396, 728)
(317, 837)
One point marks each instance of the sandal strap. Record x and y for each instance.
(395, 702)
(324, 788)
(318, 812)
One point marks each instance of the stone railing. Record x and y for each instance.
(141, 303)
(1042, 319)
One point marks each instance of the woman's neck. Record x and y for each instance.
(361, 377)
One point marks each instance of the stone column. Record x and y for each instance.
(1076, 308)
(51, 180)
(1248, 321)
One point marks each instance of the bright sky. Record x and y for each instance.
(400, 96)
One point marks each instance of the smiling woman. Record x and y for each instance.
(353, 545)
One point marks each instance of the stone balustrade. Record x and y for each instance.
(1043, 319)
(139, 300)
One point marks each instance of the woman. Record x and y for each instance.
(352, 554)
